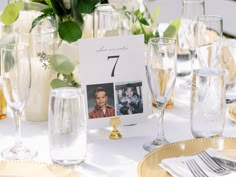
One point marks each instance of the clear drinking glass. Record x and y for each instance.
(187, 36)
(67, 126)
(108, 21)
(161, 76)
(208, 102)
(209, 39)
(16, 83)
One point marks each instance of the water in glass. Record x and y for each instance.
(208, 102)
(67, 126)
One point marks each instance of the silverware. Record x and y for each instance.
(195, 168)
(226, 163)
(212, 165)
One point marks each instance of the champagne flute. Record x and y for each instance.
(187, 38)
(209, 39)
(16, 83)
(161, 76)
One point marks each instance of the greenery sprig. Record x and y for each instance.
(146, 24)
(64, 68)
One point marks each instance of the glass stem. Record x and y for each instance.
(160, 126)
(194, 64)
(193, 59)
(18, 141)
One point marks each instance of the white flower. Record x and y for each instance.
(66, 4)
(131, 5)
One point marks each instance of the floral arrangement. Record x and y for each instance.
(69, 15)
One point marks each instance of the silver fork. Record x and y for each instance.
(212, 165)
(195, 169)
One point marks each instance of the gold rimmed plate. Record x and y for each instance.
(232, 112)
(14, 168)
(149, 165)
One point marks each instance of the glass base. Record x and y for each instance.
(183, 74)
(18, 153)
(155, 144)
(68, 162)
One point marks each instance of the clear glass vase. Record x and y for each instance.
(42, 42)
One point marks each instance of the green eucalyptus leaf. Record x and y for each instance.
(48, 2)
(10, 13)
(21, 5)
(37, 21)
(155, 14)
(172, 29)
(61, 64)
(58, 8)
(69, 31)
(76, 12)
(39, 1)
(48, 11)
(138, 14)
(57, 83)
(143, 21)
(38, 6)
(87, 6)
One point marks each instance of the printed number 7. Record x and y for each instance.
(117, 58)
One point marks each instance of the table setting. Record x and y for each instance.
(175, 153)
(59, 64)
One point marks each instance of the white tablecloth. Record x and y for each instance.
(116, 158)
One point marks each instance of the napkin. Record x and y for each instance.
(177, 168)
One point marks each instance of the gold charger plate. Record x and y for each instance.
(15, 168)
(149, 165)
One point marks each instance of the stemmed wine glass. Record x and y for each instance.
(161, 76)
(187, 38)
(16, 82)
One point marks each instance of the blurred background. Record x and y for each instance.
(171, 9)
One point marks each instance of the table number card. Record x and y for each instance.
(112, 72)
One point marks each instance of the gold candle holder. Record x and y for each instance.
(115, 134)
